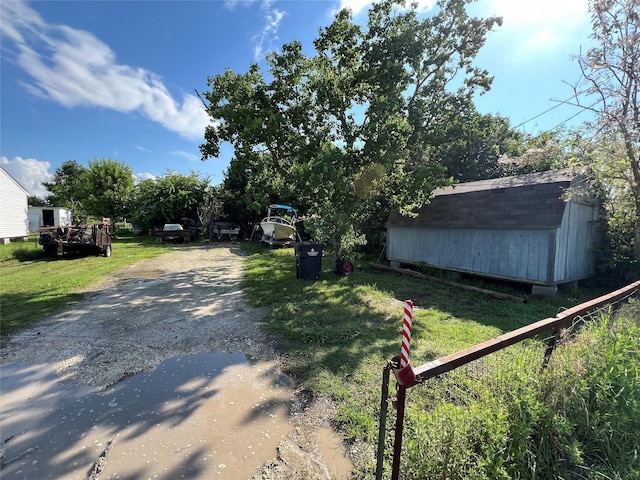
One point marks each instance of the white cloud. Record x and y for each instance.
(30, 173)
(264, 42)
(266, 39)
(528, 12)
(357, 6)
(186, 155)
(142, 149)
(75, 68)
(536, 27)
(138, 177)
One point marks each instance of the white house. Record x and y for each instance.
(14, 219)
(48, 217)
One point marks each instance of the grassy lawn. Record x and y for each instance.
(336, 333)
(339, 332)
(33, 286)
(335, 324)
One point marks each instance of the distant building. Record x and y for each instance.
(48, 217)
(518, 228)
(14, 223)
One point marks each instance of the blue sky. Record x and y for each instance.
(83, 80)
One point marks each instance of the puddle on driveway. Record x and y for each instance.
(197, 416)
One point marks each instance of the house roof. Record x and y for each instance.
(526, 201)
(14, 181)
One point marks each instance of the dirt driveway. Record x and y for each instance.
(182, 304)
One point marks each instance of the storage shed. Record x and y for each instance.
(518, 228)
(48, 217)
(13, 209)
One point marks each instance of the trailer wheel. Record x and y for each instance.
(106, 252)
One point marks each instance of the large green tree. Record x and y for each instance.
(611, 80)
(108, 188)
(539, 153)
(67, 189)
(349, 128)
(103, 189)
(472, 146)
(171, 198)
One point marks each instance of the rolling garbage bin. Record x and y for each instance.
(308, 260)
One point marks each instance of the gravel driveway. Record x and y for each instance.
(187, 301)
(183, 302)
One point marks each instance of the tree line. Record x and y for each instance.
(106, 188)
(374, 117)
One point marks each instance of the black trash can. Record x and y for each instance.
(308, 260)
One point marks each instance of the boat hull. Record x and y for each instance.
(276, 231)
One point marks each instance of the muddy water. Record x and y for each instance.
(332, 452)
(197, 416)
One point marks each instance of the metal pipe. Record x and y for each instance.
(384, 403)
(397, 444)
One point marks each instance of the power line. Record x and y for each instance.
(575, 95)
(575, 115)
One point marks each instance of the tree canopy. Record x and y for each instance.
(611, 80)
(67, 188)
(102, 189)
(108, 188)
(352, 126)
(171, 198)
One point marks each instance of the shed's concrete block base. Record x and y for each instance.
(394, 264)
(544, 290)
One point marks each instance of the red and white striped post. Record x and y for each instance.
(405, 374)
(406, 333)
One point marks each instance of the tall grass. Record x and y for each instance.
(579, 419)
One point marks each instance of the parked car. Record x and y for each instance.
(174, 232)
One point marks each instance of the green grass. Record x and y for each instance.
(337, 324)
(339, 332)
(33, 286)
(580, 418)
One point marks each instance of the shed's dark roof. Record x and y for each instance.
(526, 201)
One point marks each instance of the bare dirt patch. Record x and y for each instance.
(184, 302)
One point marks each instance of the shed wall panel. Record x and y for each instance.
(61, 217)
(13, 208)
(575, 240)
(511, 254)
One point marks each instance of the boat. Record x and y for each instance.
(279, 225)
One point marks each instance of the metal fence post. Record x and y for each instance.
(384, 403)
(553, 341)
(397, 443)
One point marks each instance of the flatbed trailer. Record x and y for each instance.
(81, 239)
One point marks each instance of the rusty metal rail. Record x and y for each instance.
(468, 355)
(455, 360)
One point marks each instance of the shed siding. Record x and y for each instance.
(61, 217)
(575, 239)
(13, 208)
(509, 254)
